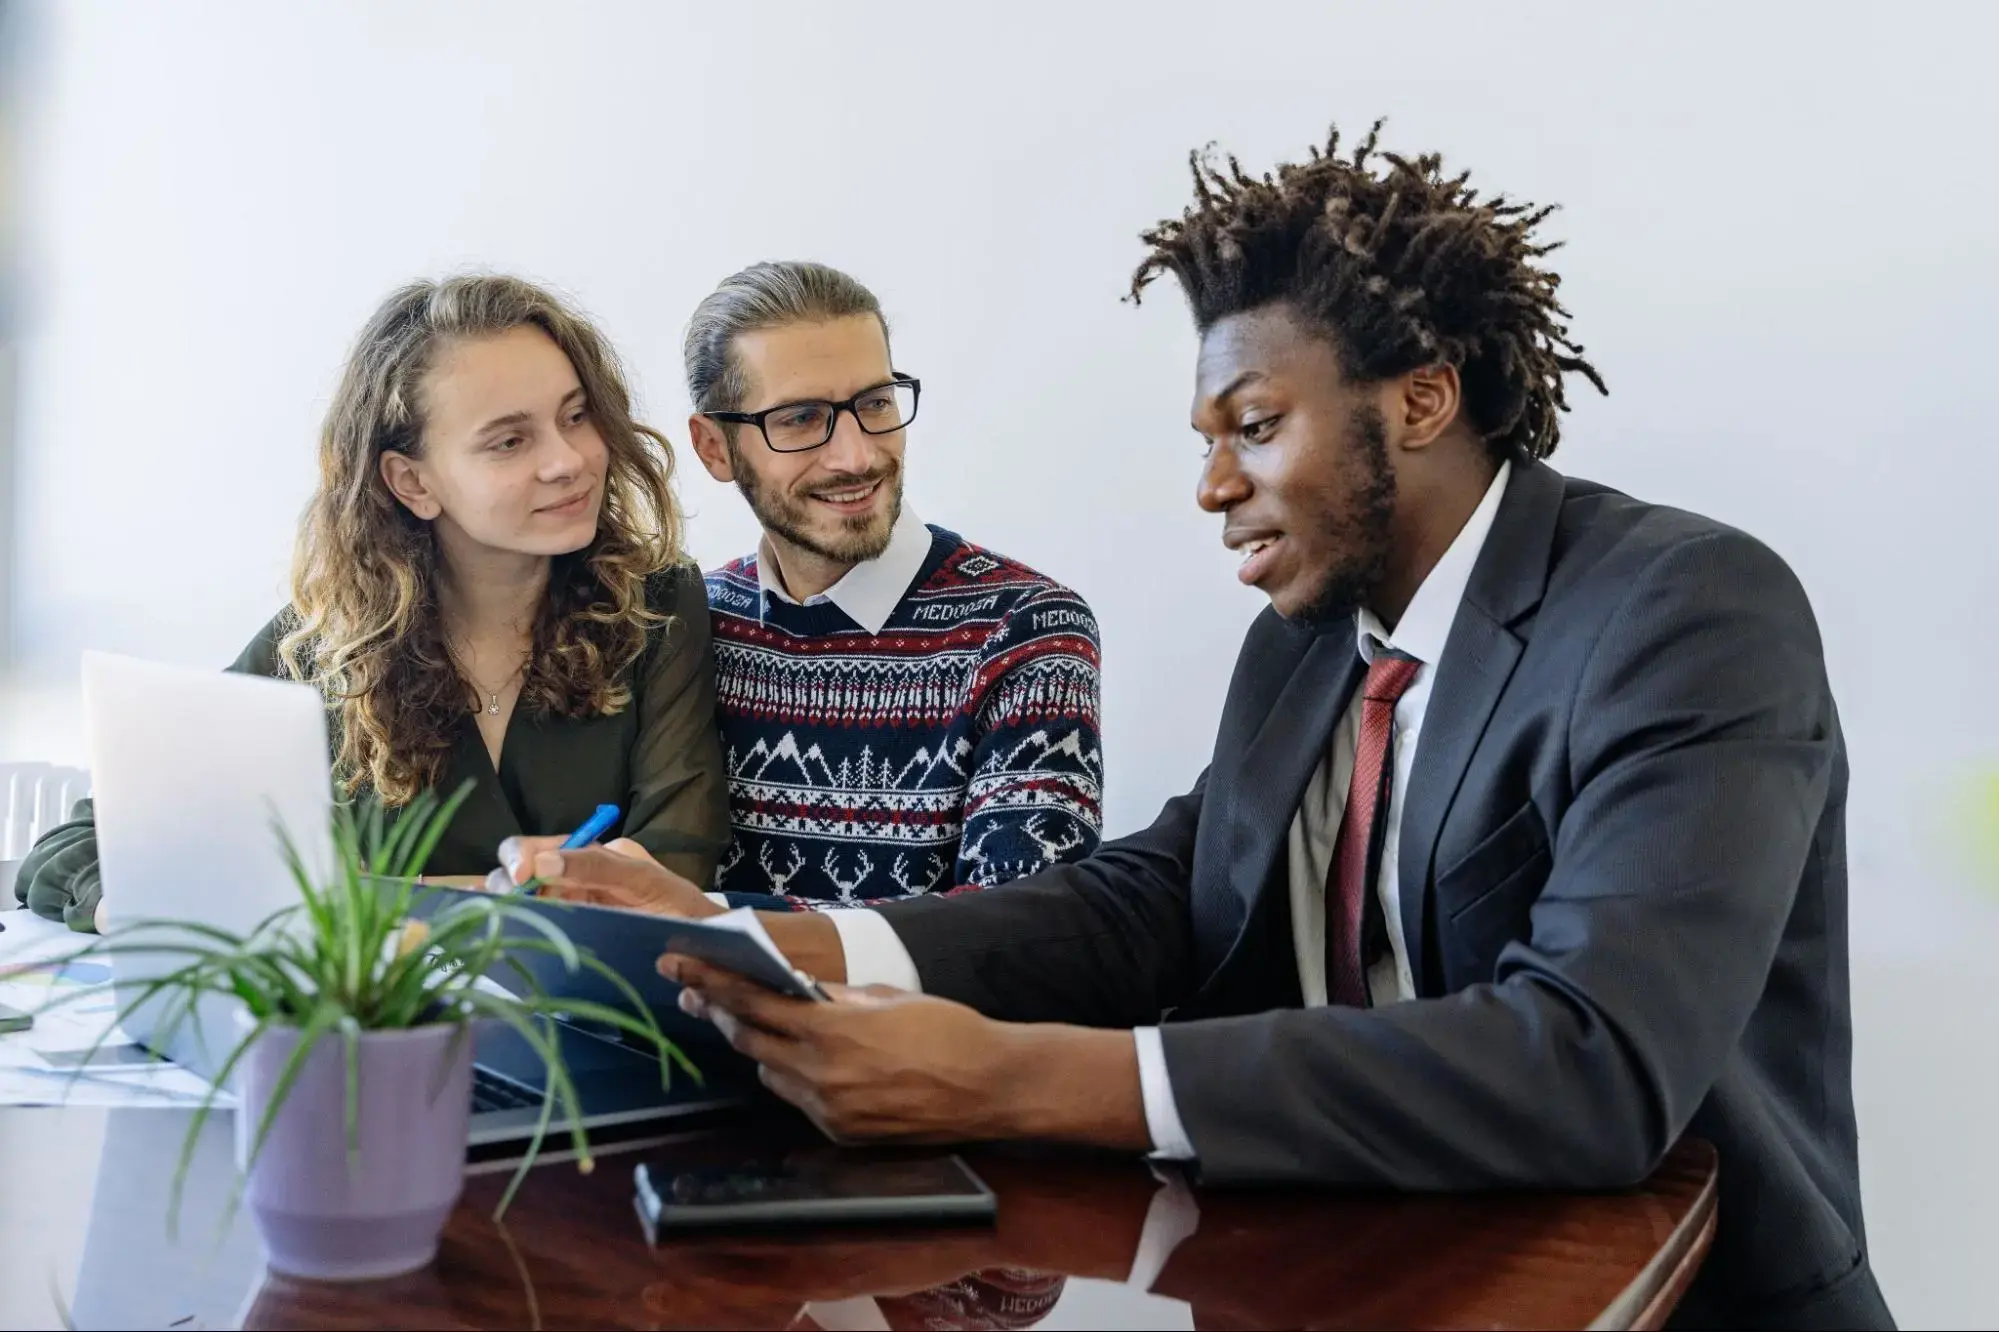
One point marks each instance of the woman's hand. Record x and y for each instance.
(618, 874)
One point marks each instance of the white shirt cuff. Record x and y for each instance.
(1162, 1116)
(875, 955)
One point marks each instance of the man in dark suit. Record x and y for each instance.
(1522, 848)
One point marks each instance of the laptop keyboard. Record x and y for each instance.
(490, 1092)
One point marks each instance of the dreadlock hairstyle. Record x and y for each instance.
(1404, 267)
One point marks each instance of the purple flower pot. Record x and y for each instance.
(324, 1216)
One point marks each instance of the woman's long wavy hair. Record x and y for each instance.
(364, 622)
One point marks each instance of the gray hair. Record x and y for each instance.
(767, 295)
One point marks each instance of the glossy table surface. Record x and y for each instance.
(1080, 1241)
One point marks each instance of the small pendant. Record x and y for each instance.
(493, 706)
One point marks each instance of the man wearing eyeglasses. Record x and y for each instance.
(901, 710)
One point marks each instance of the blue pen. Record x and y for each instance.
(593, 827)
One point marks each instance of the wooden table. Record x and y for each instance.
(1071, 1229)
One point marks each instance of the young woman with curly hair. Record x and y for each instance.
(489, 584)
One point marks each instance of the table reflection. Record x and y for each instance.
(1080, 1241)
(137, 1269)
(1000, 1297)
(1090, 1250)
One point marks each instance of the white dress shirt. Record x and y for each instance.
(871, 590)
(875, 955)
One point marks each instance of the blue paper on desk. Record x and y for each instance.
(631, 942)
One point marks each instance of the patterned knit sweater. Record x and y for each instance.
(958, 748)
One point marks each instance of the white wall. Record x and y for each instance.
(1778, 218)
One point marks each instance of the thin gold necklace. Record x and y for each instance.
(492, 695)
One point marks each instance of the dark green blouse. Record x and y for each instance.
(659, 760)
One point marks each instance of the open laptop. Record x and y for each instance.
(193, 769)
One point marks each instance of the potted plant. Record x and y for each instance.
(355, 1060)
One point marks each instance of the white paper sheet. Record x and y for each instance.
(30, 982)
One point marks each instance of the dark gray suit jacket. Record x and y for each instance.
(1623, 880)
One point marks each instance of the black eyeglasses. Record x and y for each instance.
(794, 427)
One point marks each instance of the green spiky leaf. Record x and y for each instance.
(355, 954)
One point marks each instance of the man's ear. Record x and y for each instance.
(1425, 403)
(711, 447)
(405, 482)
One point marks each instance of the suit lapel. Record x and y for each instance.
(1479, 656)
(1279, 761)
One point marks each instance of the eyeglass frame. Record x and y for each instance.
(833, 419)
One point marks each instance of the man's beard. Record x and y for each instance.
(1369, 517)
(856, 540)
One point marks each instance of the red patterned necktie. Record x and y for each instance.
(1347, 887)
